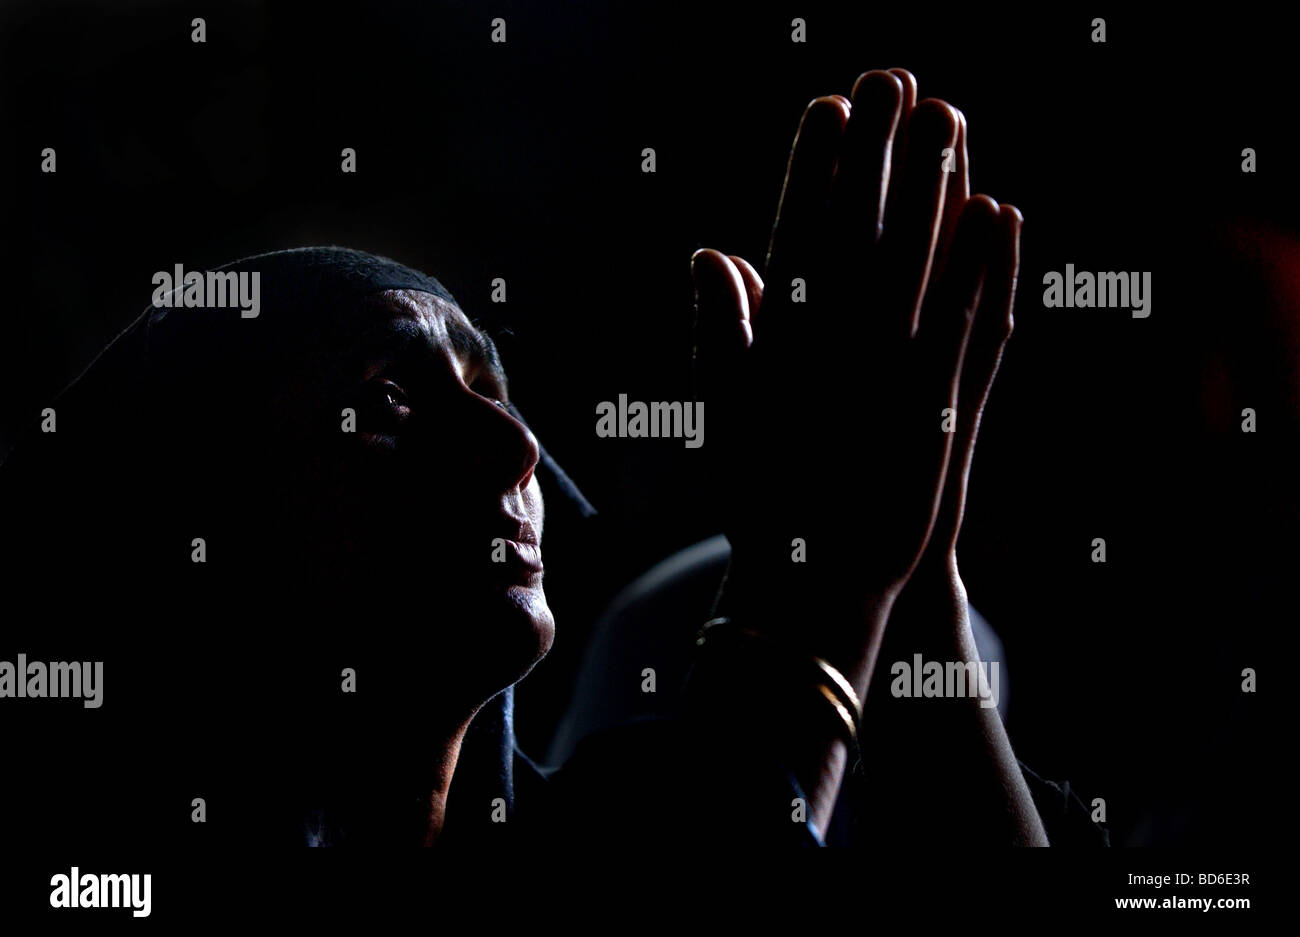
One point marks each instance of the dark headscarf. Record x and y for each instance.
(167, 352)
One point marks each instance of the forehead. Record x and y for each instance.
(410, 322)
(423, 316)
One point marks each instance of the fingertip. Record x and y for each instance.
(982, 208)
(753, 284)
(908, 81)
(1010, 221)
(705, 257)
(715, 278)
(722, 267)
(878, 84)
(943, 115)
(746, 270)
(829, 104)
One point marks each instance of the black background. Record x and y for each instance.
(523, 160)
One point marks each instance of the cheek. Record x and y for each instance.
(532, 496)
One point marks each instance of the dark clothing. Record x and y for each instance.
(650, 784)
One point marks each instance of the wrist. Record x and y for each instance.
(771, 700)
(841, 627)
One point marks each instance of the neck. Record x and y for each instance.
(394, 792)
(432, 792)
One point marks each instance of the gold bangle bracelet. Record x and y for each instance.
(830, 683)
(850, 725)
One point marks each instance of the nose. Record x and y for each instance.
(505, 450)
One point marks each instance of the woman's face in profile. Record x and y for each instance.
(429, 502)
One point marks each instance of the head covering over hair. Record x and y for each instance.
(177, 350)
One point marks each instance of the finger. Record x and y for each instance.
(862, 176)
(956, 195)
(801, 215)
(753, 286)
(912, 221)
(991, 326)
(989, 333)
(950, 308)
(721, 337)
(722, 328)
(908, 104)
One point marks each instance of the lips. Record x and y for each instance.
(527, 555)
(523, 553)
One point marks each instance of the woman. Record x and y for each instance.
(347, 513)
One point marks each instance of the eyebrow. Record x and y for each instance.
(476, 345)
(469, 342)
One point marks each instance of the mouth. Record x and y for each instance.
(520, 563)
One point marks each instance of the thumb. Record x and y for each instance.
(722, 339)
(722, 321)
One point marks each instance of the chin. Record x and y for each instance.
(523, 628)
(477, 649)
(528, 612)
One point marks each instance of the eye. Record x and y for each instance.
(393, 395)
(385, 407)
